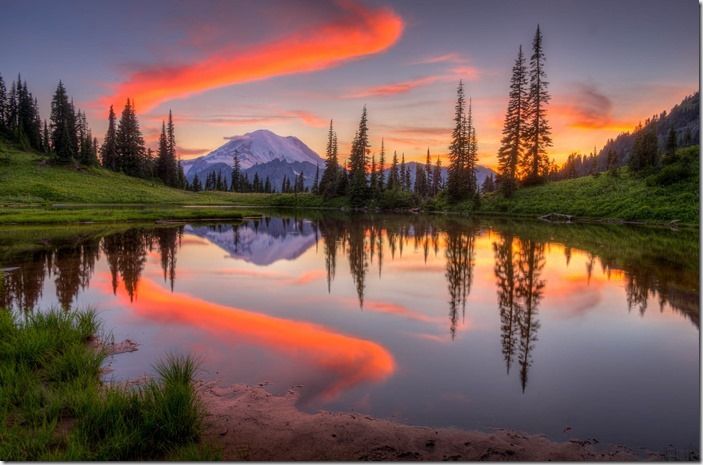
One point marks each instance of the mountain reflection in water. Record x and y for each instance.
(280, 302)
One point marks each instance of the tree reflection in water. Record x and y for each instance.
(653, 263)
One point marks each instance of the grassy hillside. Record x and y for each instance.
(29, 178)
(672, 193)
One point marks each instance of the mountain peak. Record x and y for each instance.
(256, 148)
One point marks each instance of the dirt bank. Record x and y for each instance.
(249, 423)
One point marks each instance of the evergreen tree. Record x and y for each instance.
(129, 143)
(373, 180)
(358, 188)
(428, 175)
(670, 148)
(394, 175)
(330, 177)
(457, 188)
(172, 160)
(535, 163)
(315, 182)
(488, 184)
(267, 185)
(196, 183)
(108, 151)
(612, 160)
(645, 153)
(3, 105)
(46, 144)
(471, 158)
(403, 173)
(235, 182)
(162, 156)
(420, 180)
(514, 142)
(381, 181)
(63, 126)
(437, 177)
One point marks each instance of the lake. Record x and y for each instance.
(573, 331)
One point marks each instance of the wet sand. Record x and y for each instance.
(249, 423)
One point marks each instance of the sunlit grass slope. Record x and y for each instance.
(671, 193)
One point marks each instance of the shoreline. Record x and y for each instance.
(249, 423)
(65, 214)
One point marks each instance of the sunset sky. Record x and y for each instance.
(230, 67)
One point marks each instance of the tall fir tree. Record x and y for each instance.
(162, 156)
(457, 187)
(394, 175)
(428, 175)
(63, 126)
(108, 151)
(172, 161)
(130, 149)
(381, 180)
(471, 156)
(373, 179)
(3, 105)
(330, 177)
(535, 163)
(236, 178)
(403, 173)
(514, 141)
(358, 187)
(437, 177)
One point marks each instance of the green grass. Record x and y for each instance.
(670, 194)
(53, 406)
(28, 178)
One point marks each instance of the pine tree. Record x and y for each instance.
(267, 185)
(471, 157)
(3, 105)
(394, 175)
(403, 173)
(196, 184)
(162, 156)
(46, 145)
(535, 162)
(437, 177)
(381, 181)
(235, 182)
(330, 177)
(373, 180)
(457, 188)
(670, 148)
(108, 151)
(62, 126)
(358, 187)
(172, 160)
(514, 142)
(488, 184)
(645, 153)
(428, 176)
(130, 143)
(316, 181)
(420, 180)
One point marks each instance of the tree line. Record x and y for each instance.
(66, 137)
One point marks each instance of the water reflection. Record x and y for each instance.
(651, 263)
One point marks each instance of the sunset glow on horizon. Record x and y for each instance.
(228, 68)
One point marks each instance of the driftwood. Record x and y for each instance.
(557, 218)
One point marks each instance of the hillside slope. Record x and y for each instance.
(27, 177)
(670, 194)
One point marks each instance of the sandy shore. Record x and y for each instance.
(249, 423)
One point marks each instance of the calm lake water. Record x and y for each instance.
(573, 331)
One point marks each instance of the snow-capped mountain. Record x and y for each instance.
(254, 148)
(261, 242)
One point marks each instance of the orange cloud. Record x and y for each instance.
(363, 31)
(347, 361)
(587, 108)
